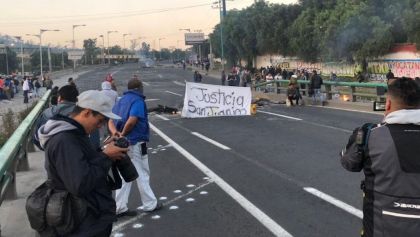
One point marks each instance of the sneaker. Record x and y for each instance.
(159, 206)
(127, 213)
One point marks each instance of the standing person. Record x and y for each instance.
(135, 126)
(16, 83)
(25, 88)
(388, 154)
(389, 75)
(197, 76)
(223, 78)
(71, 82)
(316, 82)
(110, 79)
(66, 101)
(49, 83)
(207, 67)
(108, 91)
(37, 87)
(73, 165)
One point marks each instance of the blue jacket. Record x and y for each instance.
(140, 132)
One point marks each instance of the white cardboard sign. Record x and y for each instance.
(204, 100)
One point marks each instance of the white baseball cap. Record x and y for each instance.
(97, 101)
(294, 76)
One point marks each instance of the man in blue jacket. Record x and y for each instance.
(134, 126)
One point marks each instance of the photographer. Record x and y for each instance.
(73, 165)
(135, 126)
(388, 153)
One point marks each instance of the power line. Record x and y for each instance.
(100, 16)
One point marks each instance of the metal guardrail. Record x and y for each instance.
(328, 86)
(13, 154)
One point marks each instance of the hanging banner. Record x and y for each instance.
(204, 100)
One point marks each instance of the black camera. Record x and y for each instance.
(124, 165)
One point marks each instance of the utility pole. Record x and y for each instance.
(49, 59)
(224, 7)
(74, 46)
(102, 49)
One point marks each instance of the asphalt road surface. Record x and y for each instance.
(273, 174)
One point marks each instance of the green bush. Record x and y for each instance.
(11, 121)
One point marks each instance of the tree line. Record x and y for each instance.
(318, 30)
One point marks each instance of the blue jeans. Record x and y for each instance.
(317, 93)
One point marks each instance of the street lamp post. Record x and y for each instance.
(222, 14)
(124, 35)
(102, 49)
(21, 52)
(41, 31)
(160, 49)
(109, 32)
(74, 45)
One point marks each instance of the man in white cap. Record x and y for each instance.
(73, 164)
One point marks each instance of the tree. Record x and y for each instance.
(9, 62)
(91, 51)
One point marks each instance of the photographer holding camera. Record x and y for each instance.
(74, 165)
(388, 153)
(134, 126)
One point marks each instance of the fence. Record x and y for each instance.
(13, 154)
(344, 88)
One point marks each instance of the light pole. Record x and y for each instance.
(109, 32)
(124, 35)
(102, 49)
(40, 47)
(221, 30)
(160, 49)
(178, 49)
(74, 45)
(21, 52)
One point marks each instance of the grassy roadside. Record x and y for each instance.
(11, 121)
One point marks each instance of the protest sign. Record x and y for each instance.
(204, 100)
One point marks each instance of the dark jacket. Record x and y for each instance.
(74, 165)
(316, 82)
(64, 108)
(391, 163)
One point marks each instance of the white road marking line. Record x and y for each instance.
(263, 218)
(160, 76)
(311, 123)
(161, 117)
(330, 127)
(115, 72)
(210, 140)
(280, 115)
(173, 93)
(118, 226)
(342, 205)
(179, 83)
(151, 99)
(350, 110)
(146, 83)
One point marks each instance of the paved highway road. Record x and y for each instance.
(276, 173)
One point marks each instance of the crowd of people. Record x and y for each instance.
(30, 86)
(239, 76)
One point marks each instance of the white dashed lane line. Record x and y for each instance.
(210, 140)
(334, 201)
(173, 93)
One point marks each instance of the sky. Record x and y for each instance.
(147, 20)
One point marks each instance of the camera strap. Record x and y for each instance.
(362, 138)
